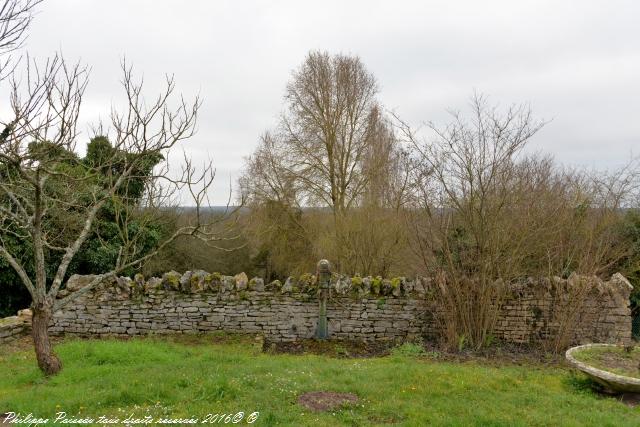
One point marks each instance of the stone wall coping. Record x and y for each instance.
(200, 281)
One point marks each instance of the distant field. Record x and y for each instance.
(197, 376)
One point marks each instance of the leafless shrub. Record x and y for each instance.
(466, 184)
(485, 214)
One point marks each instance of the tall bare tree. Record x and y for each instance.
(333, 149)
(267, 177)
(327, 128)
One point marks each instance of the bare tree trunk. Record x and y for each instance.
(47, 359)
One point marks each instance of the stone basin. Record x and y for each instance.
(612, 383)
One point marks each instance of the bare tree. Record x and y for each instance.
(465, 190)
(266, 177)
(15, 18)
(327, 128)
(334, 150)
(42, 180)
(484, 213)
(275, 226)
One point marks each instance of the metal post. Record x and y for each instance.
(324, 277)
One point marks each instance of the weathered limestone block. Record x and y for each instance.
(228, 283)
(77, 282)
(199, 281)
(242, 281)
(342, 286)
(152, 284)
(185, 281)
(275, 285)
(288, 286)
(256, 284)
(171, 280)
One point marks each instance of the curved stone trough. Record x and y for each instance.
(612, 383)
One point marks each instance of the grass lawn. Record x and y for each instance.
(208, 375)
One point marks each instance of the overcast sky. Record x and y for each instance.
(576, 62)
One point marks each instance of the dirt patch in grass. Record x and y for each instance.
(326, 400)
(22, 343)
(630, 399)
(580, 383)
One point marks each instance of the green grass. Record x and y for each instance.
(164, 377)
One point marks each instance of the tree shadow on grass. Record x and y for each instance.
(579, 383)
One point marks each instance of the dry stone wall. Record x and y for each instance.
(15, 326)
(582, 309)
(278, 316)
(358, 309)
